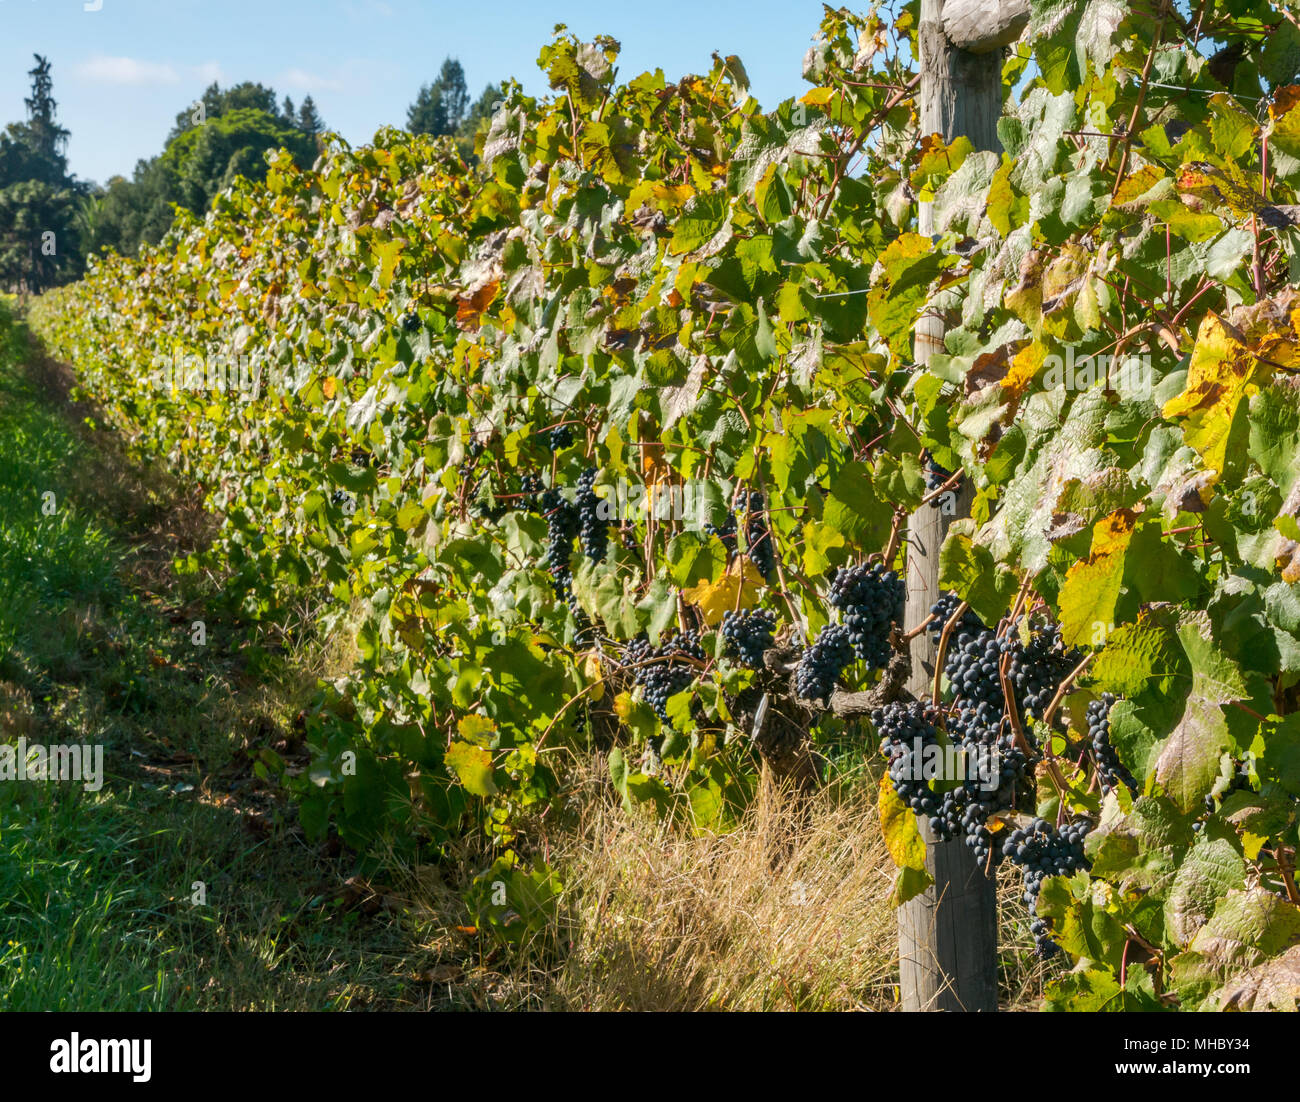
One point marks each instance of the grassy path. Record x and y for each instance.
(97, 888)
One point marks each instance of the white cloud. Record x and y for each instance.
(208, 72)
(308, 82)
(102, 69)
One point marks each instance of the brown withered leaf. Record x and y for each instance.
(470, 307)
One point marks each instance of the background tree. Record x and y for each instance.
(39, 199)
(440, 107)
(205, 152)
(309, 120)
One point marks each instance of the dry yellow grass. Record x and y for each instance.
(659, 917)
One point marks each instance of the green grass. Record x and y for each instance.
(95, 887)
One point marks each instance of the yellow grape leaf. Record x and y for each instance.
(624, 705)
(1137, 185)
(473, 765)
(1222, 372)
(898, 824)
(818, 97)
(592, 672)
(908, 884)
(388, 252)
(737, 588)
(1023, 368)
(476, 729)
(1092, 586)
(670, 198)
(330, 386)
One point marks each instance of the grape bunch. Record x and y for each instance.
(485, 506)
(942, 610)
(560, 438)
(748, 635)
(561, 528)
(726, 532)
(1110, 769)
(971, 665)
(661, 670)
(872, 600)
(906, 728)
(593, 523)
(530, 488)
(1041, 851)
(1037, 668)
(472, 454)
(758, 538)
(823, 662)
(935, 476)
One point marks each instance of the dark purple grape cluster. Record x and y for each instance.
(971, 665)
(560, 438)
(665, 670)
(935, 476)
(726, 532)
(871, 599)
(823, 662)
(472, 454)
(943, 609)
(1037, 668)
(758, 538)
(561, 528)
(748, 635)
(593, 518)
(1043, 851)
(906, 728)
(1109, 767)
(530, 486)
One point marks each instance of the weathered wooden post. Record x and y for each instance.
(947, 936)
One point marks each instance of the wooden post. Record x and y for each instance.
(947, 936)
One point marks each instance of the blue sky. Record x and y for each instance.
(123, 72)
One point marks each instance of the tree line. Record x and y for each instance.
(51, 222)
